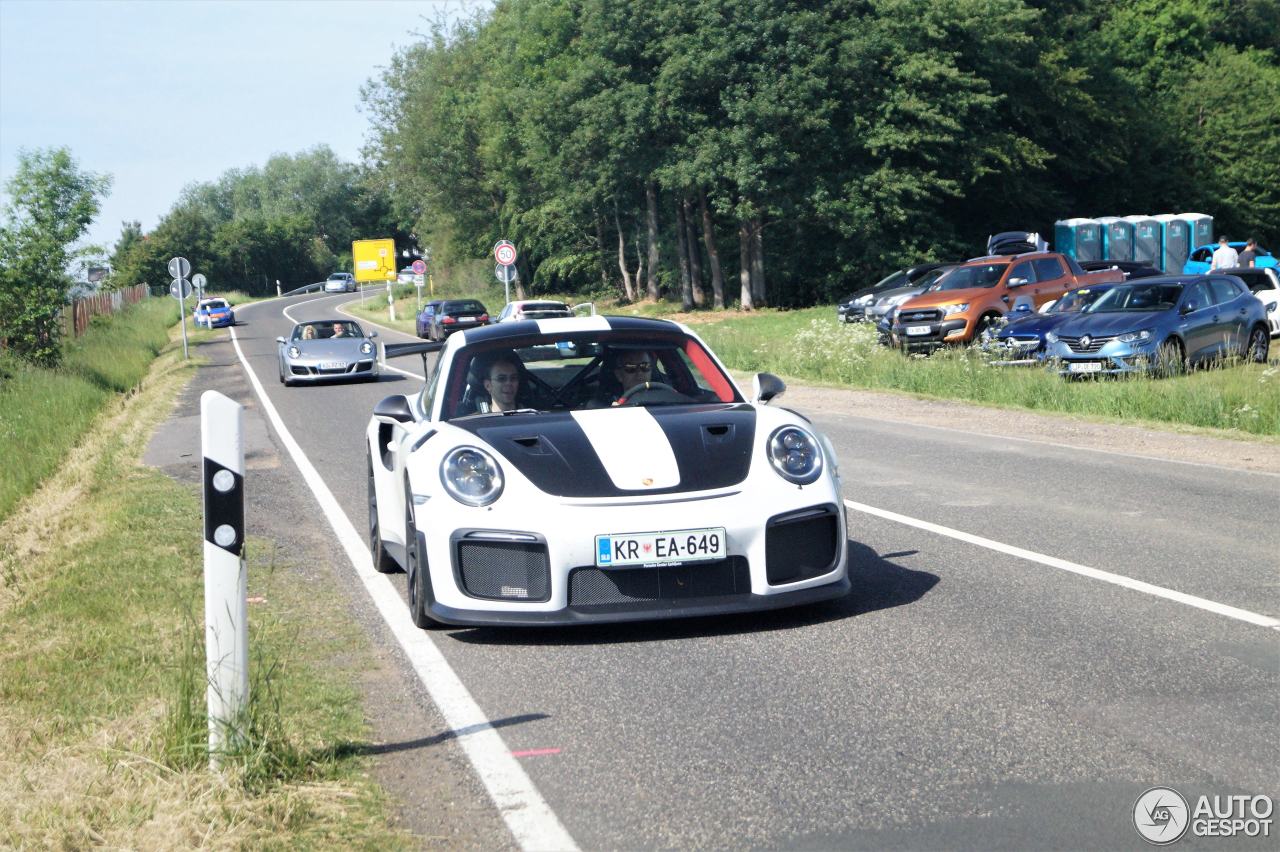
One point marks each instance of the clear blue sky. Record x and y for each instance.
(167, 93)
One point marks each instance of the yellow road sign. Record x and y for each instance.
(375, 260)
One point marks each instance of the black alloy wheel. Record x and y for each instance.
(416, 568)
(382, 561)
(1170, 358)
(1259, 346)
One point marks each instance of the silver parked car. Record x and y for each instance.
(327, 349)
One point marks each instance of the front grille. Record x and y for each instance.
(504, 570)
(800, 545)
(919, 315)
(595, 587)
(1075, 344)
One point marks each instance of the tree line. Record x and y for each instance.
(758, 152)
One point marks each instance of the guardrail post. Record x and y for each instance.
(226, 611)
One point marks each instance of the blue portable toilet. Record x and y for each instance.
(1117, 238)
(1201, 226)
(1078, 238)
(1147, 232)
(1175, 242)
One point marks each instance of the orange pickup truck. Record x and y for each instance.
(969, 298)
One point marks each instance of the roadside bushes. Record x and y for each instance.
(45, 411)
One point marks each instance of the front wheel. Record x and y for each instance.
(416, 569)
(382, 561)
(1170, 359)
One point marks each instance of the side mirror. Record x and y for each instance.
(766, 386)
(1187, 308)
(281, 340)
(373, 333)
(1017, 282)
(393, 410)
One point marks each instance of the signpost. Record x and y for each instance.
(180, 289)
(419, 278)
(198, 281)
(505, 253)
(374, 260)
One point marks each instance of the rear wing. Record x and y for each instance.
(423, 348)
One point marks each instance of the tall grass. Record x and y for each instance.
(44, 413)
(810, 344)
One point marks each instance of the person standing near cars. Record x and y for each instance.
(1249, 257)
(1225, 256)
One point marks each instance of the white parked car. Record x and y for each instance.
(1264, 282)
(528, 484)
(527, 309)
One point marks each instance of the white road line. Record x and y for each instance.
(530, 819)
(1075, 568)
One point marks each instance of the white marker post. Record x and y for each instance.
(226, 610)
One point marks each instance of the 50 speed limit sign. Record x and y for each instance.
(504, 252)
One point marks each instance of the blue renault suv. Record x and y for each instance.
(1162, 325)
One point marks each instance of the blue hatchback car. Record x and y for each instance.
(1021, 340)
(1202, 258)
(214, 313)
(1162, 325)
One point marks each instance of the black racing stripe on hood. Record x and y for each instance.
(712, 446)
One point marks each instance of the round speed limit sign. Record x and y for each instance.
(504, 253)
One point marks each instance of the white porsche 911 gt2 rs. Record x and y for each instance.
(598, 469)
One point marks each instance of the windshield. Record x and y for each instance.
(579, 371)
(893, 279)
(339, 276)
(1077, 300)
(1138, 297)
(214, 304)
(929, 278)
(469, 306)
(966, 277)
(327, 330)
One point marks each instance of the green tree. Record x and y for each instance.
(53, 201)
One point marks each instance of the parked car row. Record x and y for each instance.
(1111, 318)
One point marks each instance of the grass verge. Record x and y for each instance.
(101, 669)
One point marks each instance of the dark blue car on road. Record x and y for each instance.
(1021, 340)
(1162, 325)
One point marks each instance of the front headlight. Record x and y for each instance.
(1135, 336)
(795, 455)
(294, 352)
(1051, 337)
(948, 310)
(894, 301)
(366, 348)
(863, 300)
(471, 476)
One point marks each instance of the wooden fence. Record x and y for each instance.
(77, 315)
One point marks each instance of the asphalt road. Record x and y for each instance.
(960, 698)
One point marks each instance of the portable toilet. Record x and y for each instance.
(1078, 238)
(1146, 239)
(1201, 229)
(1175, 242)
(1117, 238)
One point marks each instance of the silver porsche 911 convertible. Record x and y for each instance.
(324, 350)
(598, 469)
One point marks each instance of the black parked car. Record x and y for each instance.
(443, 317)
(1130, 268)
(854, 308)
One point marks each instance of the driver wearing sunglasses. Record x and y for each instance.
(630, 368)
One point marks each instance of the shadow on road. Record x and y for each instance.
(348, 749)
(877, 584)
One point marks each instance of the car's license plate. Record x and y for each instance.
(466, 319)
(917, 330)
(672, 547)
(1085, 367)
(333, 365)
